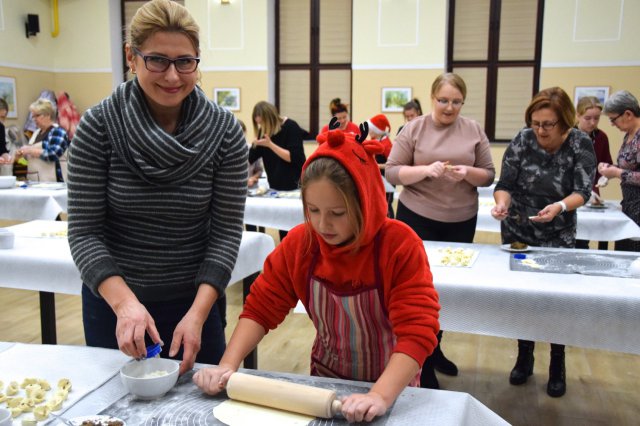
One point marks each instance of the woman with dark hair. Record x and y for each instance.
(5, 158)
(411, 110)
(341, 112)
(547, 173)
(624, 113)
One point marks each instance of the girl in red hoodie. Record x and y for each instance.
(363, 278)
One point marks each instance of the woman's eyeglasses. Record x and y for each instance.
(547, 125)
(613, 120)
(456, 103)
(153, 63)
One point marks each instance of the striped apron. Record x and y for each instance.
(354, 338)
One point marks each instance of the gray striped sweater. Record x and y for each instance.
(163, 211)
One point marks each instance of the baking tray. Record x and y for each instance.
(573, 262)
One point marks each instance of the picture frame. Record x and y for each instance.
(8, 93)
(227, 97)
(394, 98)
(600, 92)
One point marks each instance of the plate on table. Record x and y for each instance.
(596, 206)
(507, 247)
(97, 420)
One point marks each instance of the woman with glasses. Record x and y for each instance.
(623, 112)
(547, 173)
(46, 152)
(157, 185)
(440, 159)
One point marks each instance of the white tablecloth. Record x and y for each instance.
(579, 310)
(32, 203)
(609, 224)
(45, 263)
(413, 406)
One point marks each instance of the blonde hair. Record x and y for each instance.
(162, 15)
(44, 107)
(331, 170)
(586, 103)
(271, 122)
(449, 78)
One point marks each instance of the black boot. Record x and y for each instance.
(557, 385)
(524, 364)
(440, 362)
(428, 379)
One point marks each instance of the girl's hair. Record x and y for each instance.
(4, 105)
(162, 15)
(413, 104)
(556, 100)
(586, 103)
(449, 78)
(334, 172)
(336, 106)
(44, 107)
(271, 122)
(622, 101)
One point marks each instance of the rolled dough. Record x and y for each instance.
(237, 413)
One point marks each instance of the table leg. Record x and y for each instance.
(48, 318)
(603, 245)
(251, 361)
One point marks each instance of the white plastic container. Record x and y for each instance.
(7, 182)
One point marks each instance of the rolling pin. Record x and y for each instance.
(282, 395)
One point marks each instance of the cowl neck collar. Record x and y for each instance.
(150, 152)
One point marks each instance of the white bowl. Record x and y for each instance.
(7, 182)
(135, 376)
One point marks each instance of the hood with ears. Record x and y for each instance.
(358, 158)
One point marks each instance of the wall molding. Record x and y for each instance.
(237, 69)
(383, 67)
(58, 70)
(589, 64)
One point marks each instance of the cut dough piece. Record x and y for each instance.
(236, 413)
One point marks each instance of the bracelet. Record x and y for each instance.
(563, 205)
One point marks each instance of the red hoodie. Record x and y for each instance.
(409, 297)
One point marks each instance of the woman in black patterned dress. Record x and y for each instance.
(547, 173)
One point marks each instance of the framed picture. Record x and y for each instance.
(394, 98)
(8, 93)
(600, 92)
(227, 97)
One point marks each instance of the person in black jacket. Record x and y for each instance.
(279, 144)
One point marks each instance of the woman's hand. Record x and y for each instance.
(265, 142)
(252, 181)
(188, 333)
(28, 151)
(133, 321)
(5, 159)
(363, 407)
(213, 379)
(547, 214)
(455, 173)
(500, 212)
(609, 170)
(436, 169)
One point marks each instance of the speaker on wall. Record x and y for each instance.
(32, 25)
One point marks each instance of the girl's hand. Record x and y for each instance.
(188, 333)
(133, 321)
(363, 407)
(213, 379)
(455, 173)
(500, 212)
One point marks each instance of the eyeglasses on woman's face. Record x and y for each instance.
(155, 63)
(612, 120)
(455, 103)
(546, 125)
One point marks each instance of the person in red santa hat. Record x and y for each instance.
(363, 278)
(379, 129)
